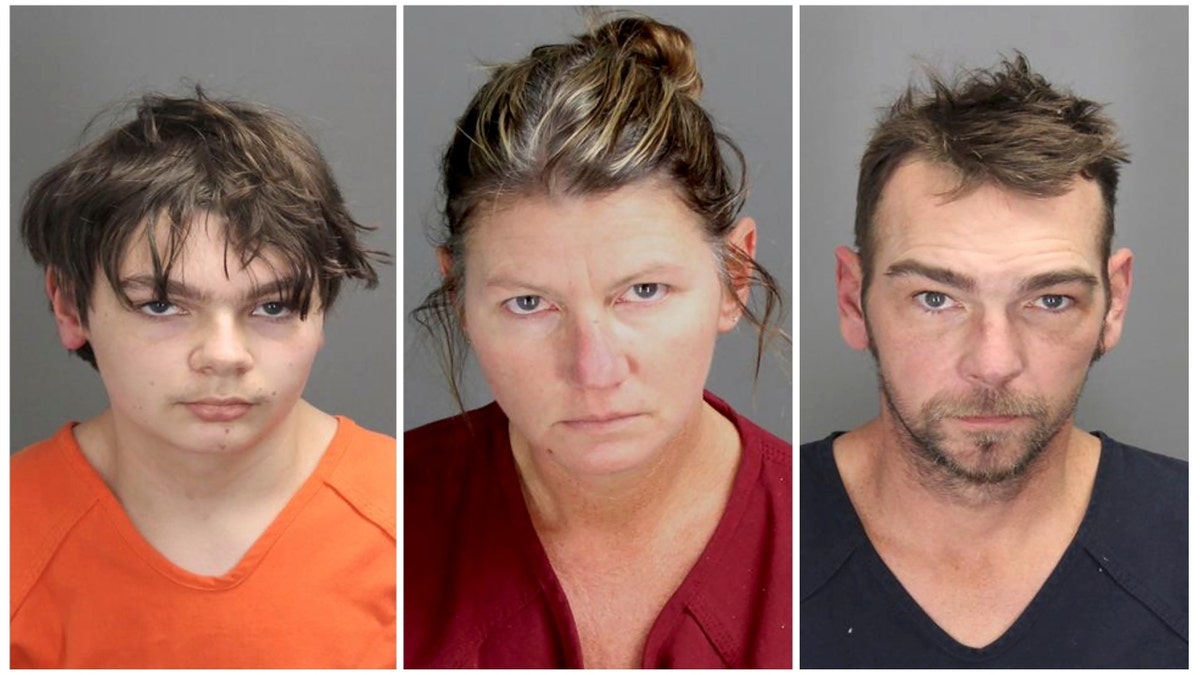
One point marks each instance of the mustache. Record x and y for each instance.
(986, 403)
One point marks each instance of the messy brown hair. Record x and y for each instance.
(615, 106)
(180, 158)
(1006, 126)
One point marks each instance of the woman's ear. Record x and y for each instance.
(71, 329)
(741, 244)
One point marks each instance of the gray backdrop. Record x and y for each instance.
(855, 60)
(333, 70)
(745, 58)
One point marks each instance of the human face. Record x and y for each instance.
(985, 314)
(594, 320)
(218, 364)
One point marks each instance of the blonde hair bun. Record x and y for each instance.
(661, 46)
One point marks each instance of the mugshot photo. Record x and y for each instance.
(993, 303)
(203, 344)
(597, 243)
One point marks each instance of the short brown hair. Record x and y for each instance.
(615, 106)
(180, 157)
(1008, 126)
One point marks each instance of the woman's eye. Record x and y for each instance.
(273, 310)
(645, 292)
(1054, 303)
(159, 308)
(933, 300)
(525, 304)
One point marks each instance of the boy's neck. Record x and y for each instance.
(150, 477)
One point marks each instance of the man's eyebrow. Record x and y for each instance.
(939, 274)
(1069, 276)
(178, 289)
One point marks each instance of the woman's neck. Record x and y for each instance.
(696, 466)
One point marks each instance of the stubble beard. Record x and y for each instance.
(991, 464)
(1004, 460)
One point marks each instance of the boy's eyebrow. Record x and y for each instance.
(178, 289)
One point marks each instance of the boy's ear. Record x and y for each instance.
(71, 329)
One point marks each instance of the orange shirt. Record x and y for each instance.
(316, 590)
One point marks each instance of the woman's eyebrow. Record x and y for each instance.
(509, 282)
(647, 273)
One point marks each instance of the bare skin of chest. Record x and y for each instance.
(973, 600)
(208, 548)
(616, 596)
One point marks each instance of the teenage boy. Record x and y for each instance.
(210, 517)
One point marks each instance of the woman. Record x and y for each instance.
(605, 511)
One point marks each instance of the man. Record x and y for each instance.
(210, 517)
(971, 523)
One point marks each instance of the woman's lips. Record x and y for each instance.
(602, 423)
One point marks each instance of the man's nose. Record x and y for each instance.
(994, 353)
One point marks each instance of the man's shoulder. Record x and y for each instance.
(817, 469)
(829, 527)
(1130, 475)
(1137, 526)
(366, 473)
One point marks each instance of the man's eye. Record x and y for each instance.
(526, 304)
(645, 292)
(159, 308)
(1054, 303)
(273, 310)
(933, 300)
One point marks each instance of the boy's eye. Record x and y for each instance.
(159, 308)
(274, 310)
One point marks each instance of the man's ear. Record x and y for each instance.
(851, 314)
(71, 329)
(742, 239)
(1120, 284)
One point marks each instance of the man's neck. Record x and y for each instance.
(897, 502)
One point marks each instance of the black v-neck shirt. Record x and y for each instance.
(1116, 599)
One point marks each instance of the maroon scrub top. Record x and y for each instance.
(479, 590)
